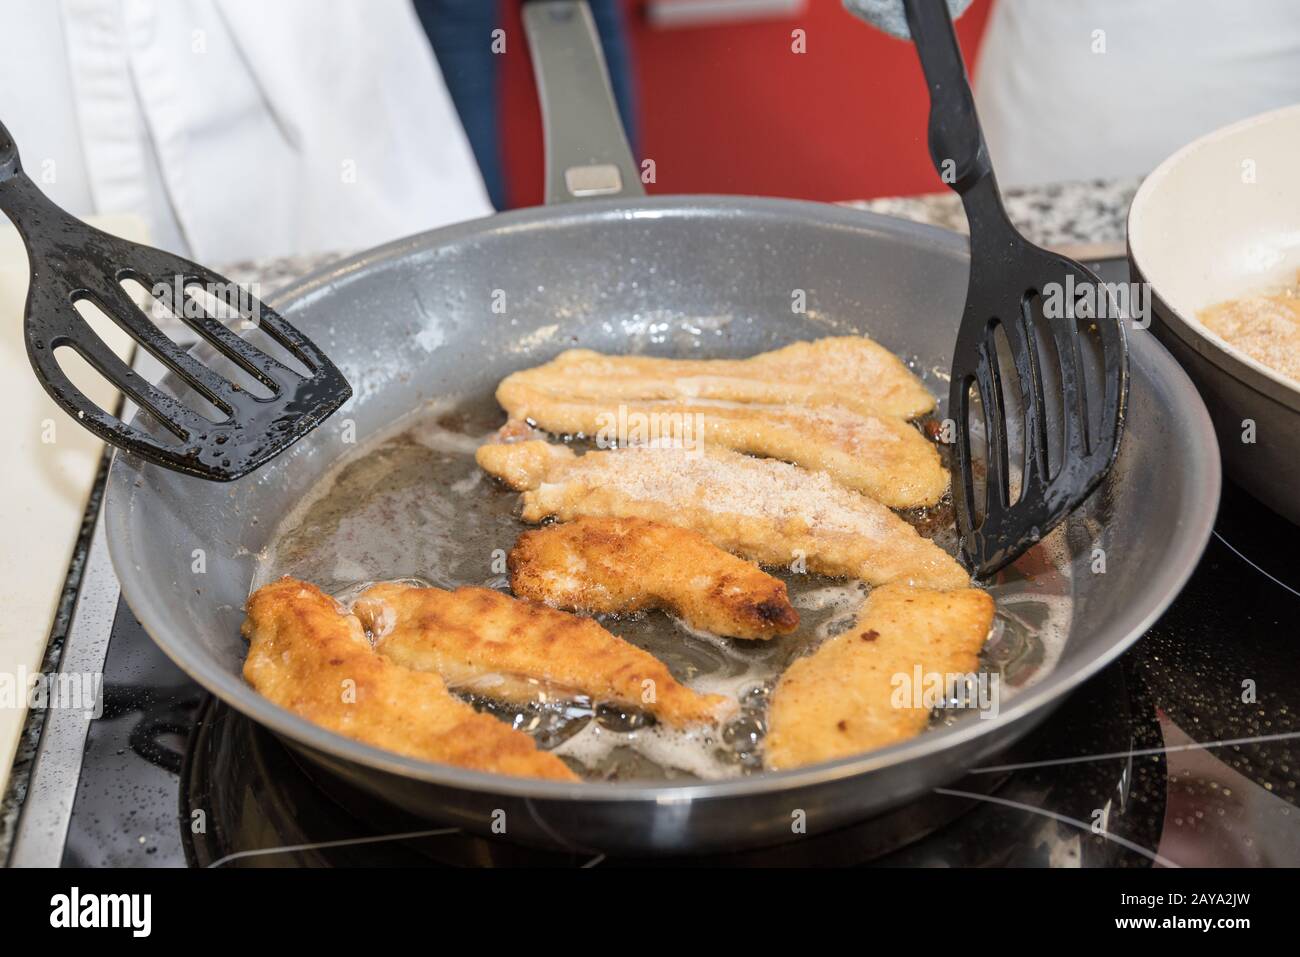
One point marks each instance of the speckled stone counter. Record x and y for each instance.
(1062, 214)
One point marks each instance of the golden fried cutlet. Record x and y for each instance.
(630, 564)
(760, 509)
(840, 700)
(852, 372)
(309, 655)
(501, 647)
(879, 455)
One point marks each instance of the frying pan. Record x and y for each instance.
(413, 320)
(1218, 220)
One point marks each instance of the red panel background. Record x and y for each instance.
(730, 109)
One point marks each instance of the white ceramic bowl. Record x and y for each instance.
(1217, 220)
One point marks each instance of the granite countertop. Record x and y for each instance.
(1090, 213)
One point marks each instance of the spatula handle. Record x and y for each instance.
(956, 142)
(34, 214)
(10, 164)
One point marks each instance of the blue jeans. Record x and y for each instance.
(460, 33)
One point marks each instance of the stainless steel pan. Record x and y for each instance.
(413, 320)
(1218, 220)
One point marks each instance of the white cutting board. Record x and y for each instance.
(49, 465)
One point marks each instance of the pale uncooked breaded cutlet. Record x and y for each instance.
(501, 647)
(882, 456)
(1265, 327)
(853, 372)
(839, 701)
(308, 654)
(622, 565)
(766, 511)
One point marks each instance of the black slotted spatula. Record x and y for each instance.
(71, 261)
(1071, 422)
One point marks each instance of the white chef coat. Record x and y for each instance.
(238, 128)
(1107, 88)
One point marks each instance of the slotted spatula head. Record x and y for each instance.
(1058, 383)
(1055, 378)
(71, 262)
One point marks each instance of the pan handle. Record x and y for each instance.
(586, 150)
